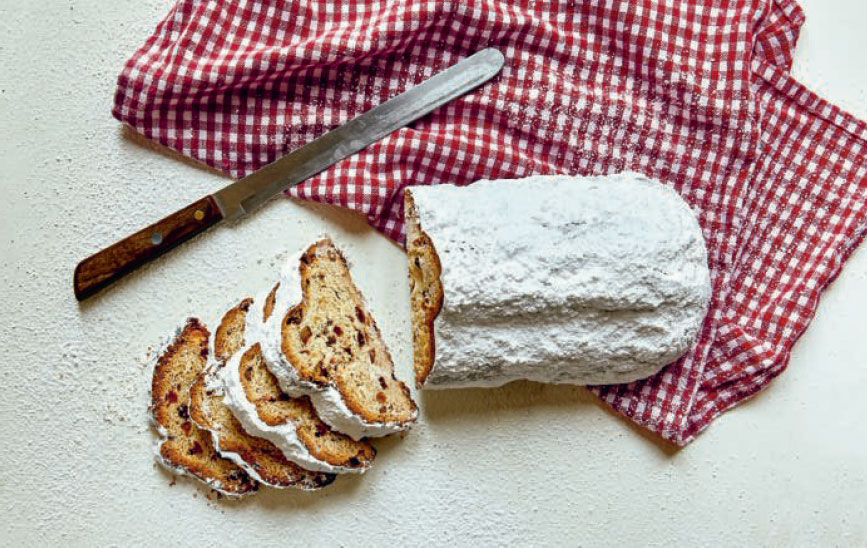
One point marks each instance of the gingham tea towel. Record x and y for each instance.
(696, 94)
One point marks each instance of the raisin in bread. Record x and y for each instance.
(182, 446)
(585, 280)
(291, 424)
(322, 341)
(259, 457)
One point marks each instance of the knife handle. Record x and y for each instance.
(115, 261)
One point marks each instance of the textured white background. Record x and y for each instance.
(524, 464)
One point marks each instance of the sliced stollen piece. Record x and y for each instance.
(183, 447)
(263, 460)
(290, 424)
(585, 280)
(229, 336)
(322, 341)
(259, 457)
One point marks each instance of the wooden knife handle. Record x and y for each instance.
(115, 261)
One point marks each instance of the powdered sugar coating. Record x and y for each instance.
(584, 280)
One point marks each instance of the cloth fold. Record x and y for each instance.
(694, 95)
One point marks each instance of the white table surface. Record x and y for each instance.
(525, 464)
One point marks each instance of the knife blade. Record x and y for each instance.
(246, 194)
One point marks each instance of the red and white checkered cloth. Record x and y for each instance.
(696, 94)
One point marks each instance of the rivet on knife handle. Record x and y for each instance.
(106, 266)
(250, 192)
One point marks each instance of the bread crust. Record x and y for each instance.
(424, 273)
(270, 301)
(229, 335)
(184, 447)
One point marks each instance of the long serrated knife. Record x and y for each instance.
(108, 265)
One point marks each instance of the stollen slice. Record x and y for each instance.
(288, 426)
(183, 447)
(260, 458)
(322, 341)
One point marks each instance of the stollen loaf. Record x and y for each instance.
(561, 279)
